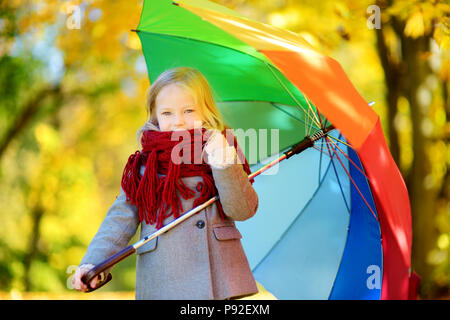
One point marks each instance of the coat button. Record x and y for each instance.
(200, 224)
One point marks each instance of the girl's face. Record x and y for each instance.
(176, 109)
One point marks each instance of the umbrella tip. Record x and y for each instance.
(134, 30)
(371, 103)
(174, 3)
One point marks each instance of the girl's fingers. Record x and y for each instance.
(94, 282)
(77, 283)
(216, 141)
(76, 280)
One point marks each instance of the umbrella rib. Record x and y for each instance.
(320, 163)
(357, 167)
(337, 177)
(320, 118)
(360, 193)
(320, 160)
(311, 110)
(348, 145)
(345, 156)
(291, 115)
(320, 150)
(293, 97)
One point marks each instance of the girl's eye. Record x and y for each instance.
(189, 110)
(166, 113)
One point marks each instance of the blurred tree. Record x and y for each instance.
(71, 98)
(413, 28)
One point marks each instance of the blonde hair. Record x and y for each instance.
(192, 80)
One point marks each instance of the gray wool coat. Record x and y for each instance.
(201, 258)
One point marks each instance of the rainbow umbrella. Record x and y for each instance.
(333, 222)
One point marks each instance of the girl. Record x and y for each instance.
(201, 258)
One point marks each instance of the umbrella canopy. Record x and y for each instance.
(317, 233)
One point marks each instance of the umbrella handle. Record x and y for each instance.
(308, 142)
(99, 284)
(111, 261)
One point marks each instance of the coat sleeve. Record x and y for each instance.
(237, 195)
(117, 229)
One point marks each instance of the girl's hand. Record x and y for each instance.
(79, 273)
(220, 154)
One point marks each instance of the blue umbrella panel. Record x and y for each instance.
(316, 234)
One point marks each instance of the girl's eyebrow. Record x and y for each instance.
(169, 108)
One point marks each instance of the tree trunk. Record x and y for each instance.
(393, 79)
(422, 194)
(33, 249)
(405, 78)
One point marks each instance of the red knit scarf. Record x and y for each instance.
(154, 195)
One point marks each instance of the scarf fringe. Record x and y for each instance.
(130, 180)
(146, 195)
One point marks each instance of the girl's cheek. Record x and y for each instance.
(197, 116)
(163, 125)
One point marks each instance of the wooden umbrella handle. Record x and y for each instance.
(108, 263)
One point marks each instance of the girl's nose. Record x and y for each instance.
(179, 121)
